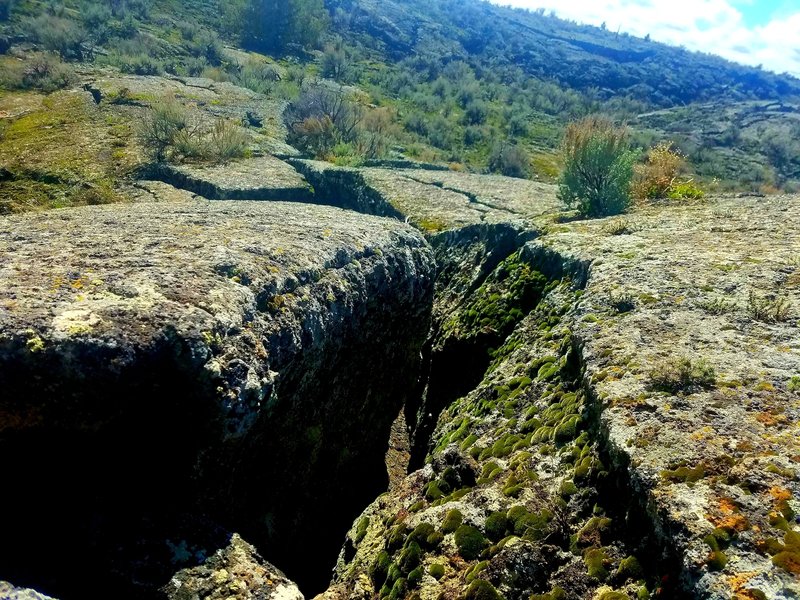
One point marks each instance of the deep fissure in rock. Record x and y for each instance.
(129, 470)
(455, 364)
(126, 494)
(623, 523)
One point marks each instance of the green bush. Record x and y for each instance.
(166, 122)
(226, 141)
(335, 64)
(60, 36)
(272, 26)
(598, 168)
(686, 190)
(322, 117)
(509, 160)
(43, 72)
(256, 75)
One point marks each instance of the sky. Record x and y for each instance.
(753, 32)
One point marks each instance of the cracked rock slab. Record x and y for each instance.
(180, 370)
(702, 285)
(262, 178)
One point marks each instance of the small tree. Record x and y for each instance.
(274, 25)
(598, 167)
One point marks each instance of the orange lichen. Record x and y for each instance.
(734, 523)
(780, 494)
(731, 519)
(739, 581)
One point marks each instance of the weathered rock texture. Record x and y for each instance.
(175, 371)
(432, 200)
(9, 592)
(717, 458)
(635, 432)
(236, 572)
(211, 98)
(262, 178)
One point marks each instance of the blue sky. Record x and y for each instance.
(765, 32)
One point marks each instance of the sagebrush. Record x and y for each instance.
(598, 167)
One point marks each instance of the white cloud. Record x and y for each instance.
(714, 26)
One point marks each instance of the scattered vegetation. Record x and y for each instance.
(682, 375)
(510, 160)
(278, 26)
(659, 177)
(40, 71)
(718, 306)
(170, 132)
(327, 121)
(621, 303)
(598, 168)
(618, 227)
(774, 309)
(468, 109)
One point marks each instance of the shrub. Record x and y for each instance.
(598, 168)
(657, 178)
(272, 26)
(374, 132)
(682, 374)
(226, 141)
(335, 64)
(60, 36)
(47, 73)
(769, 310)
(164, 126)
(686, 190)
(170, 132)
(473, 135)
(96, 19)
(257, 75)
(416, 123)
(322, 117)
(510, 160)
(206, 45)
(475, 113)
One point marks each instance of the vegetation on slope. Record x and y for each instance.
(468, 84)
